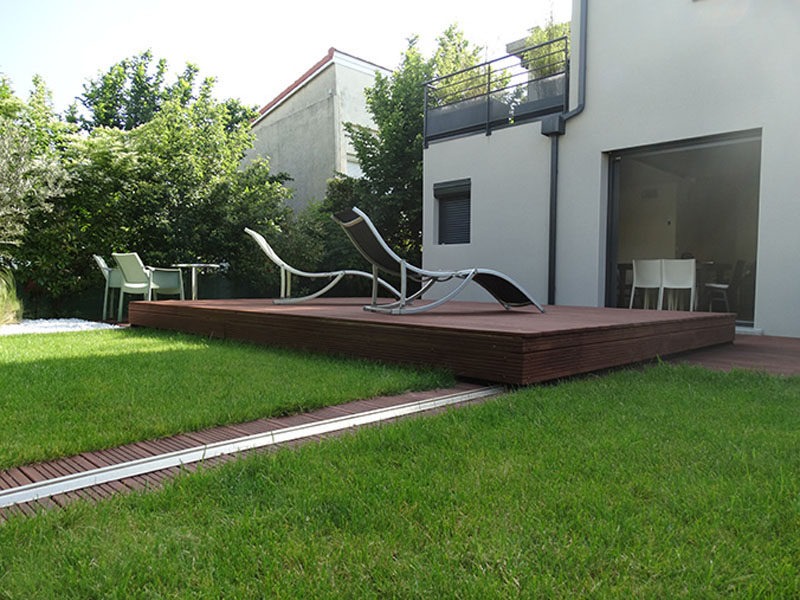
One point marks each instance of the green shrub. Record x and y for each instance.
(10, 305)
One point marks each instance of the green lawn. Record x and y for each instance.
(672, 482)
(62, 394)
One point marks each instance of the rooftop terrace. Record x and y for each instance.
(529, 83)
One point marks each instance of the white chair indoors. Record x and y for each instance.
(646, 277)
(148, 281)
(722, 292)
(678, 275)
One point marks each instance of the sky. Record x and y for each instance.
(255, 49)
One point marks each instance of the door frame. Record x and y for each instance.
(612, 213)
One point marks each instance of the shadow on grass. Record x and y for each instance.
(84, 392)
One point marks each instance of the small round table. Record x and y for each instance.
(194, 267)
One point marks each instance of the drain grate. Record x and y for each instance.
(68, 483)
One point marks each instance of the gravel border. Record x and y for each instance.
(52, 326)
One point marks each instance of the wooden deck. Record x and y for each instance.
(769, 354)
(475, 340)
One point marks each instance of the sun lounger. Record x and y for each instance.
(287, 271)
(364, 235)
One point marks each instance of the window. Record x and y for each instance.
(353, 168)
(453, 207)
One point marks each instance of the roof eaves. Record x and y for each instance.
(330, 57)
(296, 84)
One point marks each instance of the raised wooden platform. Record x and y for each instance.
(766, 353)
(477, 340)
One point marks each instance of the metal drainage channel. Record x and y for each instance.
(68, 483)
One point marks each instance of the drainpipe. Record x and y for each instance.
(582, 58)
(551, 249)
(554, 126)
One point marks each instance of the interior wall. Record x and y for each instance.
(649, 200)
(721, 219)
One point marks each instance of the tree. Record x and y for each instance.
(132, 91)
(55, 255)
(543, 61)
(157, 171)
(30, 169)
(125, 96)
(254, 197)
(170, 189)
(391, 155)
(453, 54)
(184, 153)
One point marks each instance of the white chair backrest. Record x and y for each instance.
(647, 273)
(101, 262)
(112, 275)
(131, 266)
(679, 273)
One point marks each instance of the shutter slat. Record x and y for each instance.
(454, 220)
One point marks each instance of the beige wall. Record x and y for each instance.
(352, 106)
(299, 137)
(304, 135)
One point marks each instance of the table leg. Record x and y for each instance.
(194, 283)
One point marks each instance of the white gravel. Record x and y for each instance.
(52, 326)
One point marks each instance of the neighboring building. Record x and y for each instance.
(672, 133)
(301, 130)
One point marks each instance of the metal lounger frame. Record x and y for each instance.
(287, 271)
(425, 277)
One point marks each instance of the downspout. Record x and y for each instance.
(551, 249)
(582, 57)
(554, 126)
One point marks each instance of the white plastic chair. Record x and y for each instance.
(113, 279)
(148, 281)
(678, 274)
(646, 277)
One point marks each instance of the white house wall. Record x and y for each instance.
(506, 170)
(657, 71)
(661, 71)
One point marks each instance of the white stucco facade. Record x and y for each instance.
(656, 72)
(302, 131)
(505, 181)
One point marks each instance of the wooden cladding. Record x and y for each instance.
(476, 340)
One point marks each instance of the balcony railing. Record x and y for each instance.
(527, 84)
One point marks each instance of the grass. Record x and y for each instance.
(672, 482)
(61, 394)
